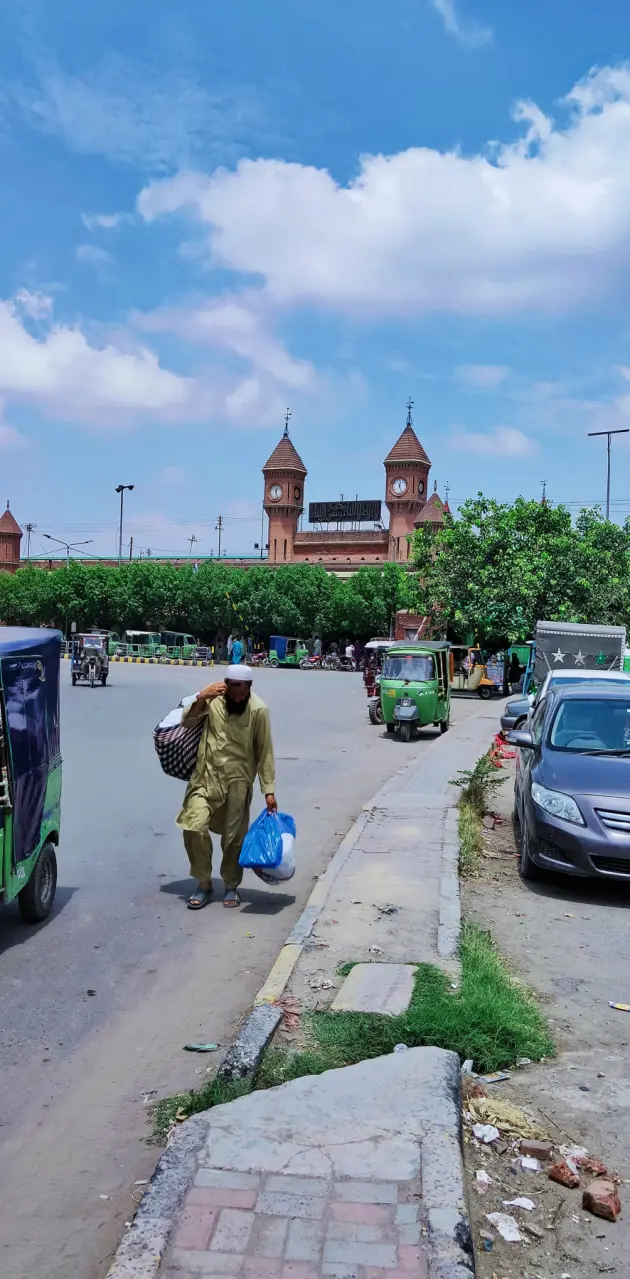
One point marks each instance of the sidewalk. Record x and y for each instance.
(356, 1173)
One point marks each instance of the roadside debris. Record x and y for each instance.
(376, 950)
(622, 1008)
(542, 1150)
(486, 1133)
(565, 1173)
(601, 1198)
(498, 1077)
(508, 1118)
(482, 1180)
(401, 1048)
(520, 1202)
(506, 1226)
(533, 1230)
(200, 1048)
(530, 1165)
(321, 983)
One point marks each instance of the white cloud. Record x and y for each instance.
(468, 33)
(9, 437)
(103, 221)
(155, 114)
(62, 372)
(482, 375)
(540, 223)
(93, 255)
(501, 441)
(37, 306)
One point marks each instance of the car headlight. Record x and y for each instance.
(557, 804)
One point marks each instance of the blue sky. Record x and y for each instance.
(210, 212)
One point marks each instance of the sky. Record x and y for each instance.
(210, 213)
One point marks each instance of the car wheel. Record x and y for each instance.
(37, 896)
(527, 868)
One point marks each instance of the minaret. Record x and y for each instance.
(10, 538)
(406, 479)
(284, 475)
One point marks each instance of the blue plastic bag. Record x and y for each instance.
(262, 845)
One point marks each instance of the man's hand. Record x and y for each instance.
(211, 691)
(272, 803)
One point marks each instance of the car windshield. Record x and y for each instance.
(592, 727)
(409, 666)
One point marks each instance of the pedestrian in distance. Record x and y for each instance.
(317, 647)
(230, 646)
(235, 746)
(237, 651)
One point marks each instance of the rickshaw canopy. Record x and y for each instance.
(29, 678)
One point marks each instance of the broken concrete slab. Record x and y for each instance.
(376, 988)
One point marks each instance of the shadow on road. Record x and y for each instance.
(592, 892)
(255, 902)
(14, 930)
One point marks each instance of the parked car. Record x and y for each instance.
(572, 788)
(517, 711)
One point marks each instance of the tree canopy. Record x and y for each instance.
(499, 567)
(295, 599)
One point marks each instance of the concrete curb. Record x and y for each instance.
(140, 1252)
(155, 661)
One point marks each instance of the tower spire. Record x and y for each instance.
(409, 408)
(286, 424)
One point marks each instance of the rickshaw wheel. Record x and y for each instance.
(405, 732)
(445, 724)
(391, 728)
(484, 692)
(74, 681)
(37, 896)
(375, 712)
(103, 680)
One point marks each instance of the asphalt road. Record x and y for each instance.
(76, 1068)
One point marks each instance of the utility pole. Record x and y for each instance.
(219, 529)
(131, 547)
(29, 529)
(624, 431)
(543, 500)
(121, 488)
(192, 539)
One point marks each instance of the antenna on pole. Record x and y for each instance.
(192, 539)
(409, 408)
(447, 489)
(286, 424)
(543, 500)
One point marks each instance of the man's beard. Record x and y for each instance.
(236, 708)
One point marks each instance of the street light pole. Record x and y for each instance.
(120, 488)
(623, 431)
(70, 546)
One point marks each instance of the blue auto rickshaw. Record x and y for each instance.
(30, 768)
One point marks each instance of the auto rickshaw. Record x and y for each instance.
(416, 687)
(373, 656)
(286, 652)
(468, 671)
(89, 659)
(30, 768)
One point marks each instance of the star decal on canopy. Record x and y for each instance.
(558, 657)
(579, 658)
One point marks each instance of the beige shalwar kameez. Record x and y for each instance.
(233, 749)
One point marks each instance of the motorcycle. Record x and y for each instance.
(313, 663)
(346, 664)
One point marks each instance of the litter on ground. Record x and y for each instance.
(508, 1118)
(506, 1226)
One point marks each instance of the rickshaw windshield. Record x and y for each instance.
(410, 666)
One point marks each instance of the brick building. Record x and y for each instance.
(10, 539)
(407, 469)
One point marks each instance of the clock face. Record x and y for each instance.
(297, 493)
(399, 486)
(275, 492)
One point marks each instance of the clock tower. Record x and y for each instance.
(406, 479)
(284, 474)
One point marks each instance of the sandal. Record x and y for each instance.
(199, 898)
(231, 899)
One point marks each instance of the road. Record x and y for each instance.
(96, 1004)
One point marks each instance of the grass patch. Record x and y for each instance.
(344, 970)
(470, 840)
(183, 1104)
(491, 1017)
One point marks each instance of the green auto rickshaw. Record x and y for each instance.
(286, 651)
(30, 768)
(416, 687)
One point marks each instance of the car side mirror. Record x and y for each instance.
(520, 737)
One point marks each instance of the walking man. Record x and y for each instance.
(237, 651)
(235, 746)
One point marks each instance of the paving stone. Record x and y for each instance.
(383, 1158)
(232, 1231)
(297, 1270)
(406, 1214)
(298, 1185)
(371, 1214)
(268, 1236)
(215, 1197)
(206, 1263)
(262, 1268)
(367, 1192)
(195, 1227)
(413, 1261)
(337, 1270)
(376, 988)
(219, 1178)
(409, 1234)
(304, 1241)
(279, 1205)
(357, 1232)
(361, 1254)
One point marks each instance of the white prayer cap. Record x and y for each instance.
(244, 673)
